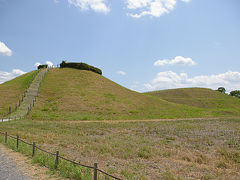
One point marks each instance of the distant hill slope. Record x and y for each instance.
(78, 94)
(208, 99)
(11, 91)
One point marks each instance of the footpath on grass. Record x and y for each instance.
(29, 99)
(137, 120)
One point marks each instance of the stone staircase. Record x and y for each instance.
(29, 98)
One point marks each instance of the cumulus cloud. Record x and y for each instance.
(154, 8)
(168, 80)
(122, 73)
(4, 50)
(6, 76)
(178, 60)
(49, 63)
(37, 64)
(95, 5)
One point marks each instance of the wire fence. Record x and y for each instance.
(56, 155)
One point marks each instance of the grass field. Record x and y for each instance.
(190, 149)
(11, 91)
(70, 94)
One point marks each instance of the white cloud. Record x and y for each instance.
(168, 80)
(95, 5)
(37, 64)
(49, 63)
(178, 60)
(4, 50)
(122, 73)
(154, 8)
(187, 1)
(6, 76)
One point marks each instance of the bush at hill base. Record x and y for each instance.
(81, 66)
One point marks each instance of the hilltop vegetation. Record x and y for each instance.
(210, 100)
(71, 94)
(11, 91)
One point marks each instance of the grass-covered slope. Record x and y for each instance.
(11, 91)
(71, 94)
(214, 101)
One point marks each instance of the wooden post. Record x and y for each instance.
(9, 110)
(33, 149)
(56, 161)
(95, 171)
(6, 137)
(17, 141)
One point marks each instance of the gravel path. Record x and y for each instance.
(8, 170)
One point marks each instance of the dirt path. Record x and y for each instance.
(140, 120)
(15, 166)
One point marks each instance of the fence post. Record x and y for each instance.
(6, 137)
(33, 149)
(95, 171)
(56, 161)
(17, 141)
(9, 110)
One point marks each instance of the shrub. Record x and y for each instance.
(221, 89)
(42, 66)
(81, 66)
(235, 93)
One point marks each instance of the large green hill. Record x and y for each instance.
(71, 94)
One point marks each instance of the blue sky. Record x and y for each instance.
(143, 45)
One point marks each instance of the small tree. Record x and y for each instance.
(221, 89)
(235, 93)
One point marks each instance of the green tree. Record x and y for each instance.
(235, 93)
(221, 89)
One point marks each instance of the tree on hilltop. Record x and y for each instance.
(222, 90)
(235, 93)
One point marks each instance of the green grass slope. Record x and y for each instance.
(212, 101)
(71, 94)
(11, 91)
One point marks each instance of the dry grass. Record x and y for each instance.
(197, 149)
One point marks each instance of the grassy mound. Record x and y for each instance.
(11, 91)
(208, 99)
(71, 94)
